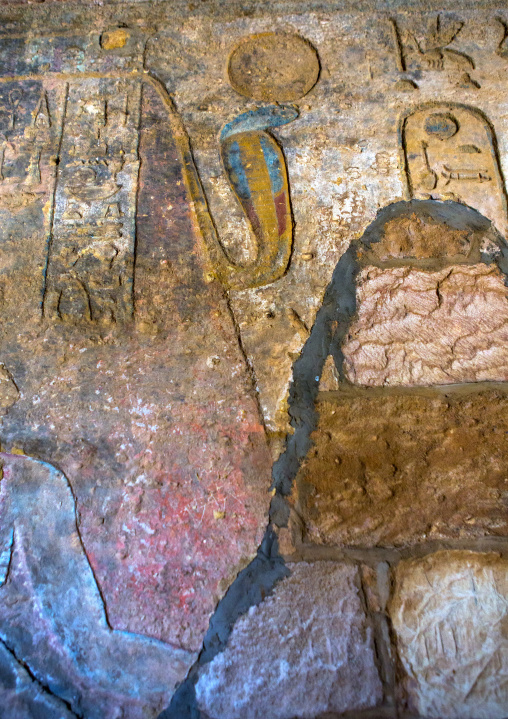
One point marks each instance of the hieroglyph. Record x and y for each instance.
(91, 250)
(450, 153)
(69, 149)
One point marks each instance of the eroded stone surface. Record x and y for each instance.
(422, 328)
(52, 615)
(24, 697)
(449, 612)
(9, 393)
(121, 353)
(306, 649)
(274, 67)
(344, 152)
(380, 454)
(419, 238)
(125, 357)
(449, 151)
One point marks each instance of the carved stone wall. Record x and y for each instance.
(253, 360)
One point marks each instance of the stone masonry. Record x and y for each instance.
(253, 359)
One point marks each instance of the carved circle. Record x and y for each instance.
(274, 67)
(441, 125)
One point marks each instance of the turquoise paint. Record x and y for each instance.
(260, 119)
(273, 164)
(236, 172)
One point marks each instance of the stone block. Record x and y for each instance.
(305, 650)
(449, 612)
(421, 328)
(380, 453)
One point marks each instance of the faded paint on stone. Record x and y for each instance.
(134, 384)
(305, 650)
(449, 613)
(422, 328)
(273, 67)
(52, 615)
(22, 696)
(126, 359)
(450, 155)
(345, 153)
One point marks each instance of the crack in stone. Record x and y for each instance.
(42, 685)
(252, 585)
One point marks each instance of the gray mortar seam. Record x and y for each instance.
(326, 338)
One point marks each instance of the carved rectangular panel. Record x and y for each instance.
(91, 253)
(30, 128)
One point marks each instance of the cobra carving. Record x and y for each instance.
(267, 67)
(256, 170)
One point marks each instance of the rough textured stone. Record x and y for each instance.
(419, 328)
(305, 650)
(380, 454)
(123, 358)
(166, 241)
(273, 67)
(449, 613)
(418, 239)
(52, 615)
(22, 696)
(344, 152)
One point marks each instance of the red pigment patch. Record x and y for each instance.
(280, 209)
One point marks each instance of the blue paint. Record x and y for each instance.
(273, 164)
(236, 171)
(69, 644)
(259, 119)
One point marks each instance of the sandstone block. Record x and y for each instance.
(306, 649)
(423, 328)
(379, 453)
(449, 612)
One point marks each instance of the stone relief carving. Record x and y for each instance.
(110, 153)
(91, 252)
(91, 258)
(430, 48)
(440, 51)
(264, 67)
(275, 67)
(256, 171)
(70, 143)
(502, 48)
(27, 145)
(450, 153)
(65, 623)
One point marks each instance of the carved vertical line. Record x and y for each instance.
(136, 200)
(49, 241)
(399, 48)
